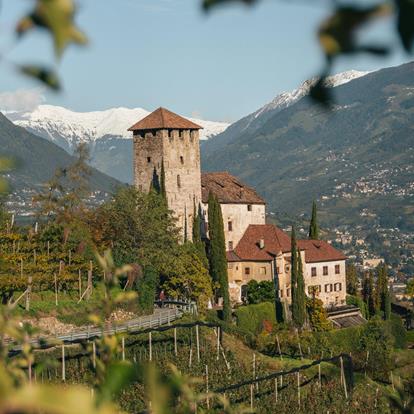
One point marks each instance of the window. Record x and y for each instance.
(230, 245)
(281, 293)
(325, 270)
(337, 269)
(287, 268)
(249, 207)
(338, 287)
(148, 159)
(287, 292)
(262, 270)
(247, 270)
(277, 269)
(230, 226)
(182, 159)
(328, 288)
(313, 271)
(178, 181)
(230, 265)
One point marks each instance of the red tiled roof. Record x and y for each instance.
(232, 257)
(162, 118)
(319, 251)
(228, 189)
(275, 241)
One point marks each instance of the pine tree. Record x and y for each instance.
(217, 253)
(313, 227)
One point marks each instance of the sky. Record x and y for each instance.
(150, 53)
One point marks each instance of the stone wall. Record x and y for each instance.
(240, 216)
(179, 150)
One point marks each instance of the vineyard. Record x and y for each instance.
(245, 378)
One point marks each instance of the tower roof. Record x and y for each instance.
(162, 118)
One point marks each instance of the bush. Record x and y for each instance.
(146, 289)
(258, 292)
(398, 331)
(357, 301)
(251, 318)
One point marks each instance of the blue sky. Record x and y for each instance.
(151, 53)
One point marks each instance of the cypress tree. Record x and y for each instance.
(280, 315)
(217, 253)
(163, 191)
(382, 294)
(351, 279)
(368, 293)
(155, 182)
(185, 225)
(313, 227)
(300, 293)
(294, 278)
(196, 233)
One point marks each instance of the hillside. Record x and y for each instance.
(106, 133)
(37, 159)
(356, 159)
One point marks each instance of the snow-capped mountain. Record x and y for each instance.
(67, 128)
(254, 121)
(286, 99)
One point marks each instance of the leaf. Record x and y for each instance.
(405, 23)
(118, 376)
(337, 33)
(57, 17)
(320, 93)
(44, 75)
(208, 4)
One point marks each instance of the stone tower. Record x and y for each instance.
(165, 138)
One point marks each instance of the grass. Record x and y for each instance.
(68, 310)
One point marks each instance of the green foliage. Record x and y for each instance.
(359, 302)
(258, 292)
(138, 227)
(146, 289)
(297, 284)
(376, 341)
(250, 318)
(351, 279)
(382, 294)
(318, 317)
(398, 332)
(368, 293)
(186, 276)
(217, 253)
(314, 227)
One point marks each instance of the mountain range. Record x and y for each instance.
(106, 133)
(37, 159)
(356, 159)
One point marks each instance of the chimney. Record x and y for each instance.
(261, 243)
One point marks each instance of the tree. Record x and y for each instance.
(146, 287)
(258, 292)
(196, 233)
(217, 253)
(382, 294)
(351, 279)
(313, 227)
(368, 293)
(297, 284)
(186, 276)
(318, 317)
(163, 190)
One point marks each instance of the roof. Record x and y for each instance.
(162, 118)
(228, 189)
(275, 241)
(319, 251)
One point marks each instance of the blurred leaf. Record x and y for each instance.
(320, 93)
(46, 76)
(208, 4)
(337, 33)
(118, 376)
(56, 16)
(405, 23)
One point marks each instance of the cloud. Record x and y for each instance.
(21, 99)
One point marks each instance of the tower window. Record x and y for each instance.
(230, 226)
(182, 159)
(230, 245)
(148, 159)
(249, 207)
(178, 181)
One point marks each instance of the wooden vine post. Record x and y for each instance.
(218, 343)
(198, 344)
(175, 342)
(123, 348)
(298, 378)
(89, 288)
(80, 284)
(207, 390)
(278, 348)
(48, 250)
(319, 375)
(93, 354)
(63, 363)
(28, 292)
(343, 380)
(276, 390)
(150, 345)
(56, 290)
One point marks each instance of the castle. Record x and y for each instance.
(168, 145)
